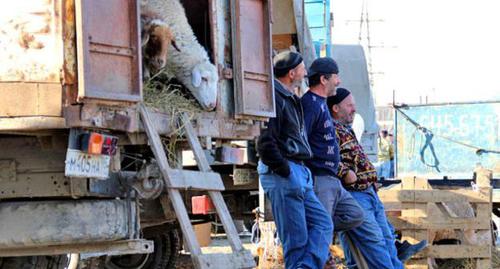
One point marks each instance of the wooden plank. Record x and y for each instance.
(282, 42)
(186, 179)
(199, 154)
(175, 197)
(483, 178)
(455, 252)
(30, 99)
(483, 263)
(283, 23)
(225, 128)
(242, 259)
(31, 123)
(418, 223)
(50, 99)
(434, 196)
(483, 211)
(417, 264)
(397, 206)
(216, 196)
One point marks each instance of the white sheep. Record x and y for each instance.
(191, 65)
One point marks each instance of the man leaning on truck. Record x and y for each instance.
(374, 237)
(304, 227)
(345, 211)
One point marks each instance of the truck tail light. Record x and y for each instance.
(96, 143)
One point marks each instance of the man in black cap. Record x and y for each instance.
(323, 81)
(375, 236)
(304, 227)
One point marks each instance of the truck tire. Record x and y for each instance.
(166, 244)
(37, 262)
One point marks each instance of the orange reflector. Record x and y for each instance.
(95, 143)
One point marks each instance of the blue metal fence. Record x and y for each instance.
(447, 140)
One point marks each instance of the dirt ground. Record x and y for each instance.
(219, 244)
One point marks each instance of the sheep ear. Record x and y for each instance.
(196, 78)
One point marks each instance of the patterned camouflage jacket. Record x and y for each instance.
(353, 157)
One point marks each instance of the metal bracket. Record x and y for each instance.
(105, 248)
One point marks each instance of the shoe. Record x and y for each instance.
(330, 264)
(407, 250)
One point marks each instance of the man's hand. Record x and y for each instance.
(283, 170)
(350, 177)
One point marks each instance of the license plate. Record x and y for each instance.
(79, 164)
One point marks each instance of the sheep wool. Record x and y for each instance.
(191, 65)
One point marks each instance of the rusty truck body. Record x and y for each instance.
(71, 70)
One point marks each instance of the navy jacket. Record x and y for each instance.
(320, 129)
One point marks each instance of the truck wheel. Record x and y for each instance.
(39, 262)
(166, 243)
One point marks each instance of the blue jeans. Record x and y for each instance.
(345, 211)
(375, 237)
(392, 172)
(383, 169)
(304, 227)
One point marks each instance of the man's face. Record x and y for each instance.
(346, 110)
(331, 84)
(297, 74)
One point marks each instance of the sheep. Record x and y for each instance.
(156, 37)
(191, 65)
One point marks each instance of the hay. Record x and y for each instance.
(160, 93)
(495, 257)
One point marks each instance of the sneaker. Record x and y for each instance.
(407, 250)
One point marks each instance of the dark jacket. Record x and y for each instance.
(320, 129)
(285, 137)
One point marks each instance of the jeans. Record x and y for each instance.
(304, 227)
(391, 171)
(345, 211)
(383, 169)
(374, 238)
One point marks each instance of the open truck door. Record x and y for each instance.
(109, 51)
(251, 44)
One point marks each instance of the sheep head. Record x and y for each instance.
(156, 39)
(204, 80)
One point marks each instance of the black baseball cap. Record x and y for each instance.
(323, 65)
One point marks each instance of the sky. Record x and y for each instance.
(430, 51)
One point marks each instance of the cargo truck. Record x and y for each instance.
(76, 172)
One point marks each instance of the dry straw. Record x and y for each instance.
(164, 96)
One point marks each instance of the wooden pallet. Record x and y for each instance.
(420, 212)
(204, 179)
